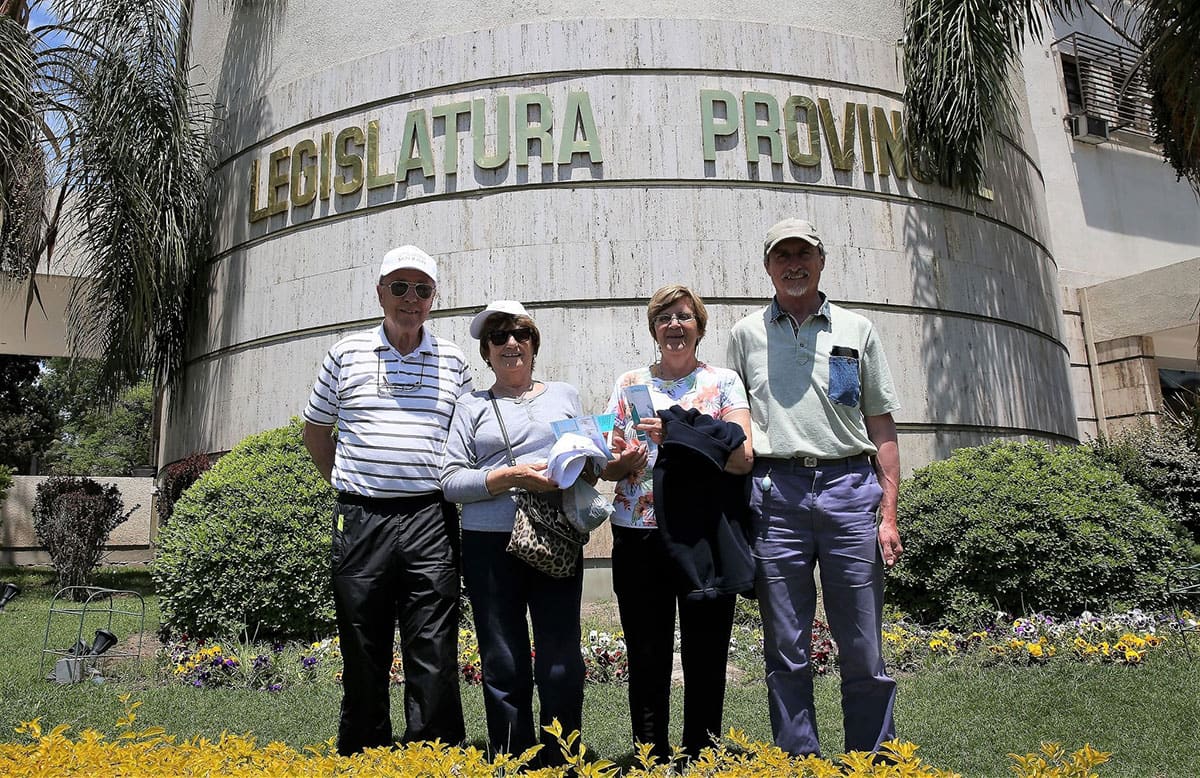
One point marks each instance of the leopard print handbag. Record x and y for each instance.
(542, 537)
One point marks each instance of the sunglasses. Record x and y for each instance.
(500, 337)
(400, 289)
(384, 386)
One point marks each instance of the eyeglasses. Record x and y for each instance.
(400, 289)
(500, 337)
(383, 383)
(663, 319)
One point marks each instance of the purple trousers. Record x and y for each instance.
(822, 517)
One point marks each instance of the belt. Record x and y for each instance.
(857, 459)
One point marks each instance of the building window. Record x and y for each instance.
(1105, 84)
(1074, 88)
(1180, 390)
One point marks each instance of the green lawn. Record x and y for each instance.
(965, 718)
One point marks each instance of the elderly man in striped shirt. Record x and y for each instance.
(390, 391)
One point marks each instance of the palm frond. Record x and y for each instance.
(1169, 33)
(139, 159)
(959, 57)
(96, 104)
(22, 176)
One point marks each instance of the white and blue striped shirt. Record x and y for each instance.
(392, 411)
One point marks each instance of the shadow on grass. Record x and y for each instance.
(44, 581)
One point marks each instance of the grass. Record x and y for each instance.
(965, 717)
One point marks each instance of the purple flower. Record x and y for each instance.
(309, 662)
(262, 661)
(274, 687)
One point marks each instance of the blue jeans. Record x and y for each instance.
(822, 516)
(502, 589)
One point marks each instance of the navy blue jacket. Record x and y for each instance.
(703, 512)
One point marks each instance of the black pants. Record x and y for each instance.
(647, 602)
(503, 589)
(395, 560)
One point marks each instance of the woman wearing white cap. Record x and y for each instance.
(502, 589)
(647, 595)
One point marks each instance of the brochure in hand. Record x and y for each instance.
(641, 406)
(592, 427)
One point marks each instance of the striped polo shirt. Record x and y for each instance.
(392, 411)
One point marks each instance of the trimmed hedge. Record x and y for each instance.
(247, 548)
(1021, 528)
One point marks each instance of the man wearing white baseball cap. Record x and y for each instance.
(391, 391)
(823, 490)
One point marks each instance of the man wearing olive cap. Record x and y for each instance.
(824, 487)
(391, 390)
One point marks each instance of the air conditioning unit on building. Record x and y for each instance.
(1086, 128)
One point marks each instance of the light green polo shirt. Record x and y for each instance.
(795, 410)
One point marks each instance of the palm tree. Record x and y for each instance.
(958, 55)
(103, 154)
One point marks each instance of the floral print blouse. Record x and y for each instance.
(715, 391)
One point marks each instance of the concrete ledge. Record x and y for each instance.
(1141, 304)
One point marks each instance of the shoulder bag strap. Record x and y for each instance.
(503, 431)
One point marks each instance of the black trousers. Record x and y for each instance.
(647, 602)
(397, 559)
(503, 589)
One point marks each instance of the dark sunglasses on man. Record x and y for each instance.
(400, 289)
(500, 337)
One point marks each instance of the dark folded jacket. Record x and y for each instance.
(703, 512)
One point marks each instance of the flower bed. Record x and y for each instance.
(254, 666)
(278, 666)
(1127, 638)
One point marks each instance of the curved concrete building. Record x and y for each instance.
(577, 163)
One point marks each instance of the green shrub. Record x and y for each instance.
(1021, 528)
(247, 548)
(1164, 464)
(73, 518)
(176, 480)
(5, 481)
(109, 439)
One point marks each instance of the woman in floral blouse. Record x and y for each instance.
(645, 592)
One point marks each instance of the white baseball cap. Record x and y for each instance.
(790, 228)
(568, 456)
(495, 306)
(408, 258)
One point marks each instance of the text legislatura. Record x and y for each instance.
(799, 129)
